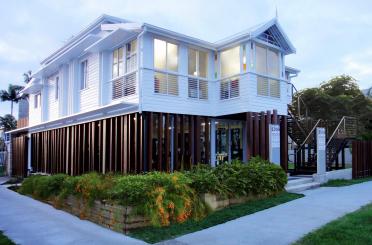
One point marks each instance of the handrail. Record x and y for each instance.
(311, 131)
(343, 120)
(298, 102)
(302, 130)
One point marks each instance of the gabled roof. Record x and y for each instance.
(96, 23)
(272, 26)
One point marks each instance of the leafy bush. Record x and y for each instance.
(258, 177)
(43, 186)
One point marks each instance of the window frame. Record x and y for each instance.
(240, 61)
(267, 78)
(166, 55)
(197, 63)
(56, 92)
(83, 76)
(37, 100)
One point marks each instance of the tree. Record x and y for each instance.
(12, 95)
(27, 76)
(8, 122)
(338, 97)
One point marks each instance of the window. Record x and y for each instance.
(131, 56)
(83, 74)
(198, 67)
(117, 62)
(230, 62)
(268, 65)
(165, 58)
(229, 88)
(57, 88)
(198, 63)
(37, 100)
(165, 55)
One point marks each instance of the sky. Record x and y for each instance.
(331, 37)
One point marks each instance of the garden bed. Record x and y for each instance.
(126, 202)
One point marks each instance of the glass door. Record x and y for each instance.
(229, 141)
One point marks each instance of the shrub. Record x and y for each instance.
(43, 187)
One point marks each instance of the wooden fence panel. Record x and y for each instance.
(19, 156)
(362, 159)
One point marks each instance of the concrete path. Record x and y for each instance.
(26, 221)
(288, 222)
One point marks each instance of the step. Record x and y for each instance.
(298, 181)
(303, 187)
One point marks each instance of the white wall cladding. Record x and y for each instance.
(35, 113)
(90, 97)
(52, 102)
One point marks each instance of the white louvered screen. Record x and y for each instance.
(224, 90)
(268, 87)
(165, 83)
(124, 86)
(234, 87)
(197, 89)
(160, 83)
(193, 88)
(229, 88)
(172, 84)
(262, 86)
(203, 89)
(274, 88)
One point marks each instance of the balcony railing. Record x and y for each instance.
(124, 86)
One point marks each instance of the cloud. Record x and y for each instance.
(359, 65)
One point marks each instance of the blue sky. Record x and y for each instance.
(331, 37)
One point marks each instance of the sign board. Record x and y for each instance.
(321, 151)
(274, 143)
(321, 141)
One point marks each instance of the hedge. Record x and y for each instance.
(164, 198)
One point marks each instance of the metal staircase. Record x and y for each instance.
(301, 130)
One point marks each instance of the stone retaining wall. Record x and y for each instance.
(112, 216)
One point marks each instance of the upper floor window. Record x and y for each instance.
(198, 63)
(230, 62)
(165, 55)
(165, 58)
(268, 64)
(37, 100)
(83, 74)
(117, 62)
(131, 56)
(198, 67)
(57, 88)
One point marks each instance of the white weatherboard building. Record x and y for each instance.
(131, 97)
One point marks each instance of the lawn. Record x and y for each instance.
(353, 228)
(153, 234)
(4, 240)
(343, 182)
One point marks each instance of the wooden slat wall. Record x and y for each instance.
(125, 144)
(19, 156)
(362, 159)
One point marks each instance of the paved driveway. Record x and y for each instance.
(29, 222)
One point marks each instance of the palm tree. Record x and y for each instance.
(8, 122)
(12, 95)
(27, 76)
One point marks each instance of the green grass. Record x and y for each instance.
(343, 182)
(154, 234)
(353, 228)
(4, 240)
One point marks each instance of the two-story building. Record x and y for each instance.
(132, 97)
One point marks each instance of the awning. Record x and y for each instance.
(113, 39)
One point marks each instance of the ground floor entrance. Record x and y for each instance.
(229, 140)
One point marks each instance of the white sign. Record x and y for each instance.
(321, 139)
(275, 135)
(274, 143)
